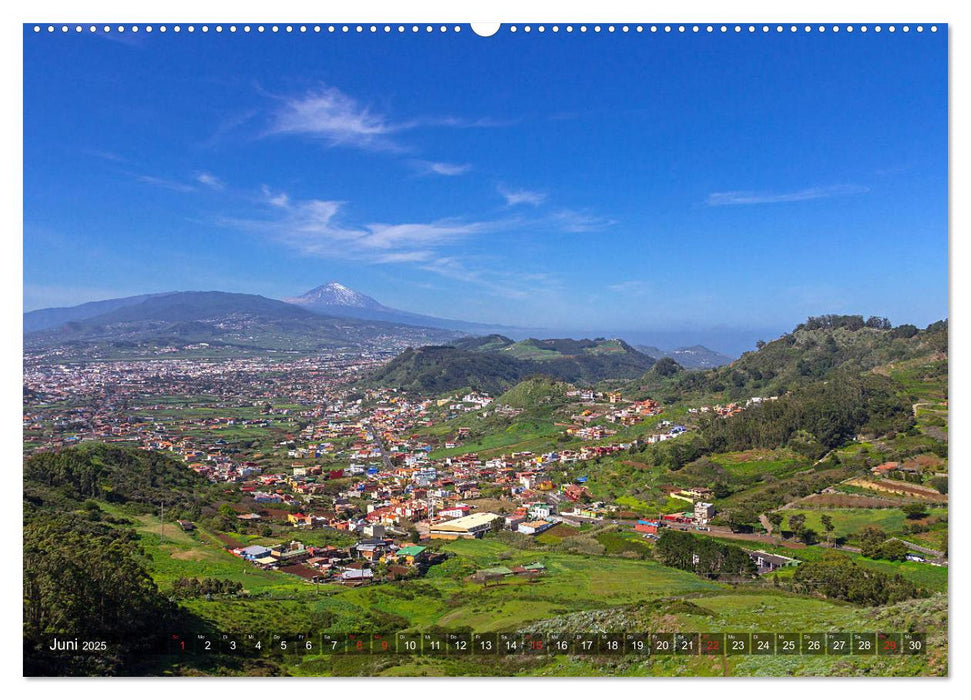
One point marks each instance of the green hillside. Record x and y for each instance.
(813, 351)
(536, 391)
(494, 364)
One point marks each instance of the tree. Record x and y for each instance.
(666, 367)
(836, 576)
(915, 511)
(808, 536)
(796, 523)
(892, 550)
(870, 539)
(827, 520)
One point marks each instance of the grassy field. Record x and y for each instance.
(933, 578)
(573, 585)
(849, 521)
(751, 463)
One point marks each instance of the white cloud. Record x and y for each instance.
(717, 199)
(340, 120)
(210, 180)
(514, 197)
(316, 227)
(637, 288)
(277, 199)
(329, 114)
(575, 221)
(165, 184)
(428, 167)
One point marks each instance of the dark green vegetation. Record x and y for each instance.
(811, 352)
(494, 363)
(836, 576)
(241, 321)
(83, 580)
(114, 474)
(84, 571)
(703, 555)
(815, 418)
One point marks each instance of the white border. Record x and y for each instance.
(438, 11)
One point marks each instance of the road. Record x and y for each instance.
(380, 443)
(726, 533)
(923, 550)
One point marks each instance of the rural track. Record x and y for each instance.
(921, 549)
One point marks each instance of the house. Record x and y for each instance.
(374, 530)
(254, 552)
(492, 574)
(186, 525)
(574, 493)
(770, 562)
(534, 527)
(541, 510)
(512, 521)
(456, 511)
(412, 555)
(649, 527)
(467, 527)
(886, 468)
(290, 553)
(357, 576)
(299, 520)
(372, 550)
(704, 512)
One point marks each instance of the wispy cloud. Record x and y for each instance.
(339, 119)
(164, 183)
(574, 221)
(210, 181)
(637, 288)
(318, 227)
(718, 199)
(104, 155)
(428, 167)
(521, 196)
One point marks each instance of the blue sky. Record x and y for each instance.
(679, 187)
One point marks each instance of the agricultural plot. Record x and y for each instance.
(849, 521)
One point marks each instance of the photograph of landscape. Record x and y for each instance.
(573, 350)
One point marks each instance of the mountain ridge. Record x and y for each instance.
(495, 364)
(336, 299)
(228, 319)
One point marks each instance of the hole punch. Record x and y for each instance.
(485, 29)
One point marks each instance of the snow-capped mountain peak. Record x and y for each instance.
(336, 294)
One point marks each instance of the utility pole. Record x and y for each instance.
(161, 531)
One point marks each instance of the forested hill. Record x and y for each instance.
(494, 364)
(813, 351)
(83, 568)
(109, 473)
